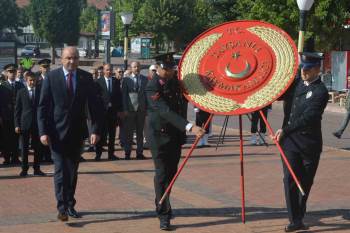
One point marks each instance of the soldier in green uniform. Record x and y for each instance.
(166, 108)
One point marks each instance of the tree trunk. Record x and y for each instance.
(53, 54)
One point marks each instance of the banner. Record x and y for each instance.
(106, 25)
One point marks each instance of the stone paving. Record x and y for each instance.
(118, 196)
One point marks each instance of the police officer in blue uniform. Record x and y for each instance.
(166, 109)
(301, 136)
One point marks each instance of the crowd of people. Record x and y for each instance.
(123, 98)
(54, 111)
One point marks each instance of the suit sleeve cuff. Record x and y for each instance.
(189, 127)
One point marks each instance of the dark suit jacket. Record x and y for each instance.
(302, 133)
(166, 120)
(26, 110)
(128, 86)
(114, 98)
(63, 118)
(10, 99)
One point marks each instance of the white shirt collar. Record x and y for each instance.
(66, 72)
(108, 79)
(307, 83)
(134, 75)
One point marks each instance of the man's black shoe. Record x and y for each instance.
(140, 157)
(6, 162)
(112, 157)
(164, 224)
(127, 157)
(16, 161)
(73, 213)
(295, 227)
(39, 173)
(23, 173)
(62, 217)
(98, 158)
(337, 135)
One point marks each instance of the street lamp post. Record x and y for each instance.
(126, 18)
(304, 7)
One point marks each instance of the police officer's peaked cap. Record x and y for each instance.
(311, 59)
(165, 60)
(10, 67)
(44, 62)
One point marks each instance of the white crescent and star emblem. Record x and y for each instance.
(239, 75)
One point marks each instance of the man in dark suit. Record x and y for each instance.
(112, 103)
(26, 123)
(301, 136)
(166, 132)
(11, 86)
(65, 93)
(2, 114)
(44, 69)
(134, 104)
(119, 75)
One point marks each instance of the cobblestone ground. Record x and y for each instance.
(118, 196)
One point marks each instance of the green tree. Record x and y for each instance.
(23, 17)
(126, 6)
(170, 21)
(166, 19)
(221, 11)
(88, 19)
(8, 15)
(56, 20)
(324, 22)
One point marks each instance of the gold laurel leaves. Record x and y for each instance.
(192, 81)
(285, 63)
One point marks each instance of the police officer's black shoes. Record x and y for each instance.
(295, 227)
(337, 134)
(73, 213)
(165, 224)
